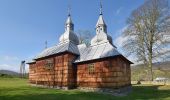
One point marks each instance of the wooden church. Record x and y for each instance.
(72, 65)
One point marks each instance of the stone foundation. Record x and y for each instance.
(122, 91)
(53, 87)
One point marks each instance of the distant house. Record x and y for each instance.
(73, 65)
(161, 79)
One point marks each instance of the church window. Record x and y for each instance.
(49, 63)
(91, 69)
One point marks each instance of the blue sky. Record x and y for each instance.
(25, 25)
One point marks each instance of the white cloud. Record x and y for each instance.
(9, 67)
(9, 58)
(4, 65)
(167, 37)
(120, 39)
(12, 63)
(119, 43)
(15, 68)
(118, 11)
(122, 29)
(165, 54)
(9, 63)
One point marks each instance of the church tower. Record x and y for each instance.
(101, 26)
(101, 31)
(69, 26)
(69, 35)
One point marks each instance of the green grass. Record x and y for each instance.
(19, 89)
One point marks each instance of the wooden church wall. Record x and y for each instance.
(109, 73)
(32, 72)
(62, 73)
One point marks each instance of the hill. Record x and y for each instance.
(140, 72)
(8, 73)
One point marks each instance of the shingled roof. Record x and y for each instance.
(60, 48)
(96, 52)
(101, 44)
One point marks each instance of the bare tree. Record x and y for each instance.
(85, 36)
(147, 29)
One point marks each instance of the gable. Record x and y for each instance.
(97, 52)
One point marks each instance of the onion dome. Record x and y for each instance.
(69, 34)
(101, 31)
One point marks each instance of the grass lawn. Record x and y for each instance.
(19, 89)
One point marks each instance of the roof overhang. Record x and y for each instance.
(99, 59)
(57, 54)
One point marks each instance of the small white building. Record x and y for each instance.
(160, 79)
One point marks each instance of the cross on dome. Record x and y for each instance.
(101, 30)
(69, 35)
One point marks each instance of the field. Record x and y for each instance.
(19, 89)
(141, 72)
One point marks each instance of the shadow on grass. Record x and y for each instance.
(149, 93)
(33, 93)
